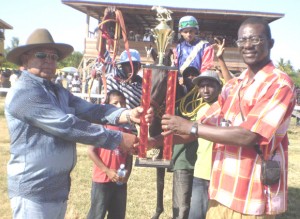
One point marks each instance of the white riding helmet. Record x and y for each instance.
(187, 21)
(135, 56)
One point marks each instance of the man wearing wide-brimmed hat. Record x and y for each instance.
(45, 121)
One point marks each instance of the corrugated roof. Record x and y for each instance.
(138, 16)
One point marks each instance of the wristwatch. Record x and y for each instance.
(194, 129)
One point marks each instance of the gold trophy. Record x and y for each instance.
(163, 35)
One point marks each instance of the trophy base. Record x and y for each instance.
(149, 162)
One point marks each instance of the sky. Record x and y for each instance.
(67, 25)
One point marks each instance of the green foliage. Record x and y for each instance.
(9, 65)
(72, 60)
(5, 64)
(289, 69)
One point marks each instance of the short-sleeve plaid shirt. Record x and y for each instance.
(267, 102)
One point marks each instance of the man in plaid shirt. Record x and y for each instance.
(256, 108)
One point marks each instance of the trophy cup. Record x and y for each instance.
(163, 35)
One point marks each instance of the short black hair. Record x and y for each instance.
(114, 93)
(258, 20)
(190, 71)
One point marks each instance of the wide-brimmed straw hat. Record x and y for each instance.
(39, 38)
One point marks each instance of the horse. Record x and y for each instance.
(159, 81)
(162, 13)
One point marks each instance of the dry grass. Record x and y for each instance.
(142, 184)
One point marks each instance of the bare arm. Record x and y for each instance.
(220, 51)
(224, 135)
(112, 174)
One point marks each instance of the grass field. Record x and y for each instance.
(142, 184)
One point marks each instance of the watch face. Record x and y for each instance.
(194, 129)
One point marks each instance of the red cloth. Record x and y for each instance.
(111, 158)
(207, 59)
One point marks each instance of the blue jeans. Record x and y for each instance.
(26, 209)
(182, 190)
(199, 200)
(108, 197)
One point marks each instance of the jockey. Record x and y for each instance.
(191, 50)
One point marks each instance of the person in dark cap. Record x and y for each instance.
(45, 122)
(209, 87)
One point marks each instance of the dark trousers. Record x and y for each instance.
(199, 200)
(182, 191)
(108, 198)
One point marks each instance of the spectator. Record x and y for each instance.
(138, 37)
(69, 81)
(125, 79)
(45, 121)
(188, 75)
(107, 196)
(76, 84)
(184, 155)
(209, 87)
(131, 36)
(147, 36)
(58, 79)
(93, 87)
(12, 78)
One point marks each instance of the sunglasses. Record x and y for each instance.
(253, 40)
(43, 55)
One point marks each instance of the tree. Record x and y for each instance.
(288, 68)
(14, 43)
(73, 60)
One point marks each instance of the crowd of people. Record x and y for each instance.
(220, 143)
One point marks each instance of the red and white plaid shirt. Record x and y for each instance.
(267, 102)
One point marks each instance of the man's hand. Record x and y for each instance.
(137, 112)
(220, 47)
(128, 143)
(176, 125)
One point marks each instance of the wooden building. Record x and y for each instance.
(139, 18)
(3, 27)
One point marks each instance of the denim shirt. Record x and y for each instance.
(45, 121)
